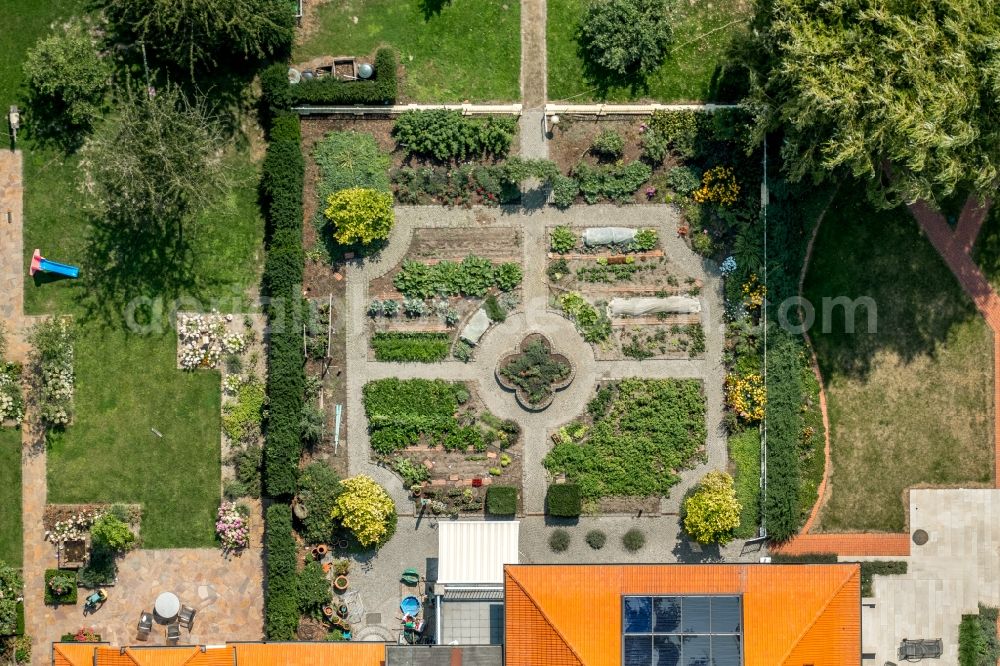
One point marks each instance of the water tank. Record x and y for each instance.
(293, 75)
(307, 75)
(365, 71)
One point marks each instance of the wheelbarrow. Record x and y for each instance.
(94, 601)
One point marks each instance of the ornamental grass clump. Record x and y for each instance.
(232, 527)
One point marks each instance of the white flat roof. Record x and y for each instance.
(473, 552)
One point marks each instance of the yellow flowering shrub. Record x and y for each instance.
(712, 512)
(718, 185)
(746, 395)
(365, 508)
(754, 292)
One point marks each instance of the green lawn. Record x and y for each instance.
(702, 32)
(449, 51)
(10, 496)
(127, 384)
(911, 403)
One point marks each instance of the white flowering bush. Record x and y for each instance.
(52, 367)
(233, 527)
(74, 528)
(204, 338)
(11, 399)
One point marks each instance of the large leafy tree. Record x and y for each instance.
(68, 78)
(157, 165)
(904, 94)
(199, 33)
(626, 37)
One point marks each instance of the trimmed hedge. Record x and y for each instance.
(501, 500)
(279, 95)
(405, 346)
(69, 598)
(563, 500)
(281, 601)
(785, 423)
(281, 191)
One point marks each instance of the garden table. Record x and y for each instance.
(167, 605)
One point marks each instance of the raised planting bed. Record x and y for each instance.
(60, 587)
(534, 372)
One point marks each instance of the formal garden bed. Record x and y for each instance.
(534, 372)
(442, 442)
(584, 278)
(630, 447)
(419, 309)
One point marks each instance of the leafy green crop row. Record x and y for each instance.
(473, 276)
(651, 429)
(448, 135)
(403, 346)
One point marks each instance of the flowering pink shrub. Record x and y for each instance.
(232, 526)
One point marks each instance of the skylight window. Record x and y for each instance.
(682, 631)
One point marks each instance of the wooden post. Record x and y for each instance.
(329, 329)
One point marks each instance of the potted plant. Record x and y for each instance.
(328, 611)
(340, 583)
(342, 567)
(320, 550)
(416, 489)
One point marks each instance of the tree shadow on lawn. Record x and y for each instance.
(860, 253)
(129, 274)
(432, 8)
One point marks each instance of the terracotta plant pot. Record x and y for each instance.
(340, 583)
(328, 611)
(321, 550)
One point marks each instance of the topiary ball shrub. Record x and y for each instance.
(559, 541)
(563, 500)
(596, 539)
(633, 540)
(501, 500)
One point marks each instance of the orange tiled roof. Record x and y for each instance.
(310, 654)
(874, 544)
(73, 654)
(792, 614)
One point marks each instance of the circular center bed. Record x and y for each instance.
(534, 373)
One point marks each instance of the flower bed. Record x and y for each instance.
(60, 587)
(83, 635)
(11, 399)
(203, 339)
(233, 527)
(52, 369)
(534, 373)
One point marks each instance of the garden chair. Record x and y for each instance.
(145, 626)
(185, 617)
(173, 633)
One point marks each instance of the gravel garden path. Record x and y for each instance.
(534, 316)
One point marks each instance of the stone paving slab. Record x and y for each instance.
(12, 267)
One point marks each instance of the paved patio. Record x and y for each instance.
(227, 593)
(947, 577)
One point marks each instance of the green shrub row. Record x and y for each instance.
(281, 190)
(279, 95)
(563, 500)
(281, 602)
(501, 500)
(402, 346)
(744, 451)
(473, 276)
(782, 514)
(449, 135)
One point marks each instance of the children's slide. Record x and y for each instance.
(40, 263)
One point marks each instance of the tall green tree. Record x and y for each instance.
(199, 33)
(155, 166)
(68, 79)
(627, 37)
(904, 94)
